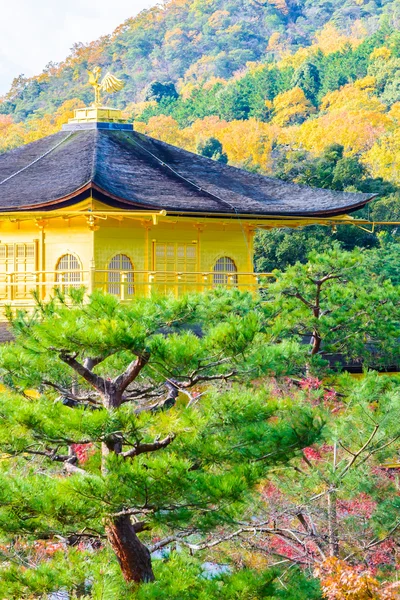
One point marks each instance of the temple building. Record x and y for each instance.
(103, 206)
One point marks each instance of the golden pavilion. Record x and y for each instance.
(103, 206)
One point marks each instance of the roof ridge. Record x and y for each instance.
(94, 157)
(185, 179)
(36, 160)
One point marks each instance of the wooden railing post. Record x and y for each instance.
(150, 278)
(122, 288)
(10, 290)
(92, 277)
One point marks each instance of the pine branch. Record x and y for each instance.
(141, 393)
(94, 380)
(82, 400)
(299, 297)
(69, 461)
(131, 373)
(320, 282)
(203, 378)
(147, 448)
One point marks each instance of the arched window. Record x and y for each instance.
(120, 269)
(225, 272)
(69, 271)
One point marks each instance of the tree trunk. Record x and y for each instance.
(316, 343)
(108, 448)
(333, 524)
(133, 556)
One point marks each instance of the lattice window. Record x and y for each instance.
(175, 257)
(120, 268)
(69, 271)
(176, 266)
(225, 272)
(18, 264)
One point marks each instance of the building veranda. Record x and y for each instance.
(102, 206)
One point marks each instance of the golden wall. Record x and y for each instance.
(166, 254)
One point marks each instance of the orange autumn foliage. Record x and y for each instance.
(16, 134)
(341, 581)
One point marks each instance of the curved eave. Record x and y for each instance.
(274, 215)
(112, 200)
(77, 196)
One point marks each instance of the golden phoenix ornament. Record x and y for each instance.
(109, 84)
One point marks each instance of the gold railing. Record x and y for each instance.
(17, 288)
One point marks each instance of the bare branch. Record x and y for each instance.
(170, 540)
(73, 470)
(359, 452)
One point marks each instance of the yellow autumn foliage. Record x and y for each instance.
(201, 69)
(165, 129)
(203, 129)
(218, 19)
(248, 143)
(137, 108)
(329, 39)
(367, 83)
(353, 98)
(383, 159)
(11, 134)
(17, 134)
(394, 113)
(297, 59)
(356, 131)
(381, 53)
(291, 107)
(274, 42)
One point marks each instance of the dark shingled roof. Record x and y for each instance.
(133, 171)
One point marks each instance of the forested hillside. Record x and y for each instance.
(304, 75)
(305, 91)
(190, 40)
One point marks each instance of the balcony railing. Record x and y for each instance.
(17, 288)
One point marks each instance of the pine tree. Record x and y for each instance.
(344, 307)
(212, 148)
(139, 420)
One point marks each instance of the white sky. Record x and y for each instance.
(35, 32)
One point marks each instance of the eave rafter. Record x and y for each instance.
(257, 222)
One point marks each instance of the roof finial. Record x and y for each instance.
(110, 84)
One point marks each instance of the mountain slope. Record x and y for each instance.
(190, 40)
